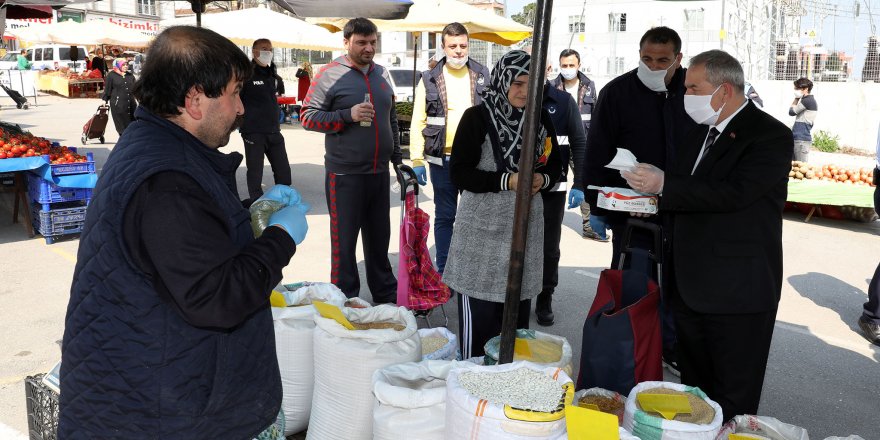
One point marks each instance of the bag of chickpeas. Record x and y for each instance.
(703, 422)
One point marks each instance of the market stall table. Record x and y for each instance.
(70, 88)
(826, 193)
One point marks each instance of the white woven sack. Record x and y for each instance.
(345, 360)
(462, 410)
(644, 425)
(448, 352)
(763, 426)
(294, 328)
(411, 400)
(564, 361)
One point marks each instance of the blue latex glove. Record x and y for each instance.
(575, 198)
(283, 194)
(293, 220)
(421, 175)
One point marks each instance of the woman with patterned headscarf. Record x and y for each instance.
(117, 92)
(485, 167)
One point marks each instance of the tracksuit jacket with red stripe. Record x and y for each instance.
(350, 148)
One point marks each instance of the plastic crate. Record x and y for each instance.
(65, 219)
(45, 192)
(63, 169)
(42, 409)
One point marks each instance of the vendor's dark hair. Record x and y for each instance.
(182, 57)
(662, 35)
(568, 53)
(360, 26)
(453, 29)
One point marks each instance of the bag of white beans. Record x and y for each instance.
(411, 400)
(439, 344)
(517, 401)
(294, 329)
(345, 360)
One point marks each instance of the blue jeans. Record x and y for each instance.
(445, 206)
(597, 222)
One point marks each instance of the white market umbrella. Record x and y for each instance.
(89, 33)
(244, 26)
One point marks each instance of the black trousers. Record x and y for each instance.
(554, 210)
(270, 145)
(360, 204)
(479, 321)
(872, 307)
(725, 355)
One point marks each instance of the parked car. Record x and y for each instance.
(402, 82)
(55, 56)
(9, 61)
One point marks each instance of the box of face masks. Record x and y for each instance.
(625, 199)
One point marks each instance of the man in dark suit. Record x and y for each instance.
(726, 191)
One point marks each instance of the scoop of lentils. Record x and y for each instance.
(522, 388)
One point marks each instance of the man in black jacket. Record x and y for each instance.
(642, 111)
(726, 191)
(261, 130)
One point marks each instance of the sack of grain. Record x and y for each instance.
(607, 401)
(411, 398)
(546, 349)
(345, 360)
(439, 344)
(294, 329)
(703, 424)
(517, 401)
(762, 428)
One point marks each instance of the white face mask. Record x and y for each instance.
(456, 63)
(568, 73)
(265, 57)
(699, 108)
(798, 94)
(653, 79)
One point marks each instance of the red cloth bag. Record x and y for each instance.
(419, 285)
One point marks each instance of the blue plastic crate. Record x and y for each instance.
(65, 219)
(63, 169)
(45, 192)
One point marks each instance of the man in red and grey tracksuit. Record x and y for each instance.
(361, 138)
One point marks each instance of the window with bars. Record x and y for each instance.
(614, 65)
(617, 22)
(576, 24)
(147, 7)
(693, 19)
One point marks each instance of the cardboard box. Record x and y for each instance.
(624, 199)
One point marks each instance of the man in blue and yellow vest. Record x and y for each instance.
(445, 92)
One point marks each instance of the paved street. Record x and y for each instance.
(822, 375)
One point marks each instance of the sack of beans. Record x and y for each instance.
(703, 423)
(761, 428)
(517, 401)
(345, 360)
(607, 401)
(543, 349)
(411, 398)
(439, 344)
(294, 333)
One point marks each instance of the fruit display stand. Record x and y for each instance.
(831, 191)
(70, 87)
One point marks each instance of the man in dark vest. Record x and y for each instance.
(168, 331)
(452, 86)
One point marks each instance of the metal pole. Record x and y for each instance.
(415, 63)
(723, 32)
(524, 180)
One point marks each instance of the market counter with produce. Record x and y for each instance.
(831, 191)
(71, 84)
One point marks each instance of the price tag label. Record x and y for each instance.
(587, 424)
(667, 405)
(330, 311)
